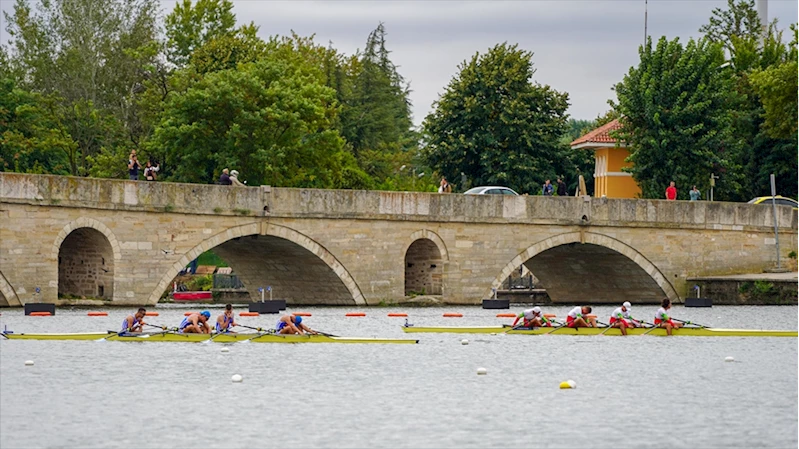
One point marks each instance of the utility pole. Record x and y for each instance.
(774, 215)
(713, 179)
(646, 8)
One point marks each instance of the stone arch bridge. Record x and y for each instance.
(124, 241)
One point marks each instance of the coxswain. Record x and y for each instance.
(133, 323)
(532, 318)
(621, 318)
(225, 321)
(292, 324)
(578, 317)
(196, 323)
(662, 318)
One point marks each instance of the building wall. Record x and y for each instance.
(609, 179)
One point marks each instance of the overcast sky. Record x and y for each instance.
(580, 47)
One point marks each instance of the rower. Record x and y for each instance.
(578, 317)
(196, 323)
(133, 323)
(292, 324)
(621, 318)
(225, 321)
(662, 319)
(532, 318)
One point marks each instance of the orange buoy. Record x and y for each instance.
(249, 314)
(150, 313)
(550, 315)
(453, 315)
(301, 314)
(39, 314)
(97, 313)
(188, 313)
(506, 315)
(355, 314)
(397, 314)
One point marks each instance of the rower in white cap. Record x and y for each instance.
(532, 318)
(621, 318)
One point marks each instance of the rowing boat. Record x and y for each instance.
(682, 332)
(197, 338)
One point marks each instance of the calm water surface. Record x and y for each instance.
(631, 392)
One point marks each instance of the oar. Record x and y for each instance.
(260, 334)
(688, 322)
(555, 328)
(110, 334)
(325, 334)
(253, 328)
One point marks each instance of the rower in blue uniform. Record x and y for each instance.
(225, 321)
(196, 323)
(292, 324)
(133, 323)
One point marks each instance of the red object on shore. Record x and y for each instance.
(191, 296)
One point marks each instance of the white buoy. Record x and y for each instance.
(493, 333)
(225, 350)
(28, 362)
(568, 385)
(464, 342)
(482, 371)
(237, 378)
(729, 359)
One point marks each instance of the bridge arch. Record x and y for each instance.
(271, 230)
(7, 292)
(86, 239)
(424, 257)
(591, 238)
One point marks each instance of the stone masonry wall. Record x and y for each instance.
(354, 243)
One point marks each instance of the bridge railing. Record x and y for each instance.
(264, 201)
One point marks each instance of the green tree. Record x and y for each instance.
(495, 126)
(270, 119)
(31, 140)
(740, 20)
(190, 26)
(675, 116)
(89, 55)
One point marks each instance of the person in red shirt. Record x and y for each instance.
(671, 192)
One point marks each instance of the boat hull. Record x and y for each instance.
(199, 338)
(683, 332)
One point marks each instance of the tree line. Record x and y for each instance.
(83, 82)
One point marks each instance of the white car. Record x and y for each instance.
(490, 190)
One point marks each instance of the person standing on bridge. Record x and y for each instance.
(234, 179)
(562, 191)
(695, 194)
(671, 192)
(547, 189)
(445, 186)
(224, 178)
(133, 167)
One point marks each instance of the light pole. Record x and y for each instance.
(713, 179)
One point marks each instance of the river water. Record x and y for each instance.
(643, 392)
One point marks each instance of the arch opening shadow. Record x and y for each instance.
(590, 267)
(424, 268)
(584, 272)
(86, 265)
(294, 273)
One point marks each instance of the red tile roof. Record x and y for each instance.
(599, 135)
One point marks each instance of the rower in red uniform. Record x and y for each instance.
(621, 318)
(662, 319)
(532, 318)
(578, 317)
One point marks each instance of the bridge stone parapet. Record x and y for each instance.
(366, 247)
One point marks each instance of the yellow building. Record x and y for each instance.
(609, 155)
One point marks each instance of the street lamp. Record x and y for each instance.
(713, 179)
